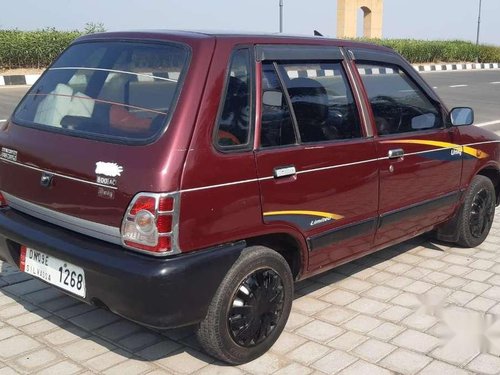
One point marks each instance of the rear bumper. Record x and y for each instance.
(162, 293)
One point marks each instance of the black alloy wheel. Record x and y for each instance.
(481, 213)
(256, 308)
(250, 308)
(477, 212)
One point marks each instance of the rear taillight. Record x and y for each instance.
(150, 223)
(3, 202)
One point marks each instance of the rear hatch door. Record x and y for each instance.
(85, 138)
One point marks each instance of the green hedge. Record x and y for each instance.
(426, 51)
(32, 49)
(37, 49)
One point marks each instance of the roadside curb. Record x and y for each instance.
(29, 79)
(455, 67)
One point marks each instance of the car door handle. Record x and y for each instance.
(396, 153)
(287, 171)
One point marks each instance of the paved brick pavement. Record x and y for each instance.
(417, 308)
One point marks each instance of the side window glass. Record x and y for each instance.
(322, 101)
(399, 105)
(234, 121)
(276, 125)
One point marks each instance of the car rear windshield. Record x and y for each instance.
(119, 91)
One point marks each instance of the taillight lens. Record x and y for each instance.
(3, 202)
(146, 203)
(164, 223)
(145, 222)
(148, 224)
(166, 204)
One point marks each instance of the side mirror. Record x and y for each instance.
(272, 98)
(462, 116)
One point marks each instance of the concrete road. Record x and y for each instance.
(9, 97)
(477, 89)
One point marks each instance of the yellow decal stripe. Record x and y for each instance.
(475, 152)
(468, 150)
(309, 213)
(425, 142)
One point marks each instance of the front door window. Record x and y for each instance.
(398, 104)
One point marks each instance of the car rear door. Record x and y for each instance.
(316, 160)
(420, 160)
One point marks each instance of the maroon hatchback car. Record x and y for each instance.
(189, 178)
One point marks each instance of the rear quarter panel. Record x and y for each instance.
(220, 197)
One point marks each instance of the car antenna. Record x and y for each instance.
(317, 33)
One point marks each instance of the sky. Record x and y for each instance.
(418, 19)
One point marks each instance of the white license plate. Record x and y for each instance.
(53, 270)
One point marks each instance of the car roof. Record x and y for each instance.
(232, 36)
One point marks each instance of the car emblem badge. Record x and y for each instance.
(46, 179)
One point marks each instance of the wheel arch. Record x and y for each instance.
(449, 231)
(493, 174)
(291, 248)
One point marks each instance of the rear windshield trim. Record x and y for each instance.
(114, 71)
(115, 139)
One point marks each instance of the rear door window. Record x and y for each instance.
(233, 130)
(307, 102)
(322, 101)
(113, 90)
(277, 127)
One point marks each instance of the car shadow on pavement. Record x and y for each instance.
(362, 267)
(79, 331)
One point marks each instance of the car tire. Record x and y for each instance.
(477, 212)
(250, 308)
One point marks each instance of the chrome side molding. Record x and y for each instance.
(87, 227)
